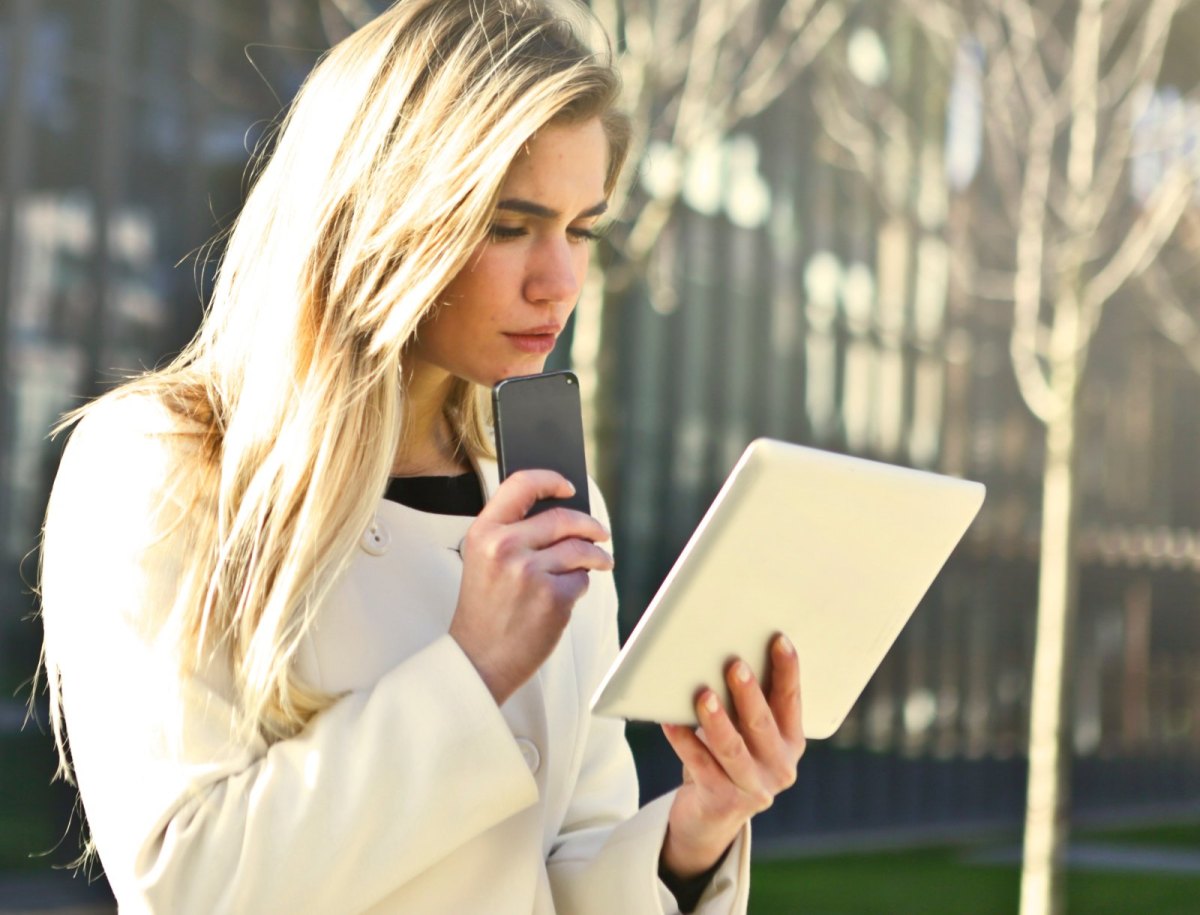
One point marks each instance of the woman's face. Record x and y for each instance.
(501, 315)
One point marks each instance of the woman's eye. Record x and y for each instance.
(584, 235)
(499, 233)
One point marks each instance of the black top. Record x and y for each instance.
(457, 495)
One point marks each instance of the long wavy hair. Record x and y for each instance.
(381, 184)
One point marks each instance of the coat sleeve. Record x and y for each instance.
(187, 817)
(606, 856)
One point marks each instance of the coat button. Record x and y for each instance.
(375, 539)
(529, 751)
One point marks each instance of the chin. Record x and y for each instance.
(533, 367)
(490, 379)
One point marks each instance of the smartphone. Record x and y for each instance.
(539, 426)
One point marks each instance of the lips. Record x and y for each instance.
(535, 340)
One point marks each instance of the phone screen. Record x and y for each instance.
(539, 426)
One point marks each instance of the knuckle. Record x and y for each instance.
(523, 477)
(489, 548)
(576, 550)
(475, 538)
(500, 546)
(525, 569)
(560, 518)
(762, 799)
(761, 721)
(785, 777)
(539, 584)
(732, 747)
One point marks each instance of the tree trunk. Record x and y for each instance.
(1046, 815)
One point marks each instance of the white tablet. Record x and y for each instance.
(834, 551)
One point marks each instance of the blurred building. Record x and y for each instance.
(127, 127)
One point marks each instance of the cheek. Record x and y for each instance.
(582, 258)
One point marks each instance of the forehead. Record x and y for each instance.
(562, 166)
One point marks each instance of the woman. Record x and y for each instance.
(312, 657)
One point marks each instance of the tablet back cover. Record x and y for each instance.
(834, 551)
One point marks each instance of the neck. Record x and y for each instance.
(428, 447)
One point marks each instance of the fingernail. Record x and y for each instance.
(711, 704)
(742, 672)
(571, 486)
(785, 645)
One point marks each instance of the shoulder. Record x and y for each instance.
(134, 425)
(125, 459)
(126, 418)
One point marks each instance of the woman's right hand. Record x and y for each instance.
(522, 577)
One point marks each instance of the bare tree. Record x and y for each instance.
(693, 71)
(1079, 237)
(1063, 91)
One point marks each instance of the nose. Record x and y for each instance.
(555, 271)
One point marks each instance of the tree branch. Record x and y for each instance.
(1027, 329)
(1143, 243)
(1024, 40)
(692, 111)
(1133, 70)
(790, 46)
(847, 131)
(940, 20)
(1113, 156)
(1169, 315)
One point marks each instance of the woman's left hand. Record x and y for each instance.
(736, 764)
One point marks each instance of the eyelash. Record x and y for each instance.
(505, 233)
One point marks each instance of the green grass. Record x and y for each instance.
(1174, 835)
(941, 881)
(929, 882)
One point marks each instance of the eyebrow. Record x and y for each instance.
(528, 207)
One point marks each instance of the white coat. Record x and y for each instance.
(413, 793)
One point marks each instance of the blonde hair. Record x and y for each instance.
(382, 183)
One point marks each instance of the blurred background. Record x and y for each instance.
(939, 233)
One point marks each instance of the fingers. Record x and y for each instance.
(728, 748)
(758, 746)
(560, 524)
(698, 762)
(785, 698)
(758, 728)
(516, 495)
(569, 555)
